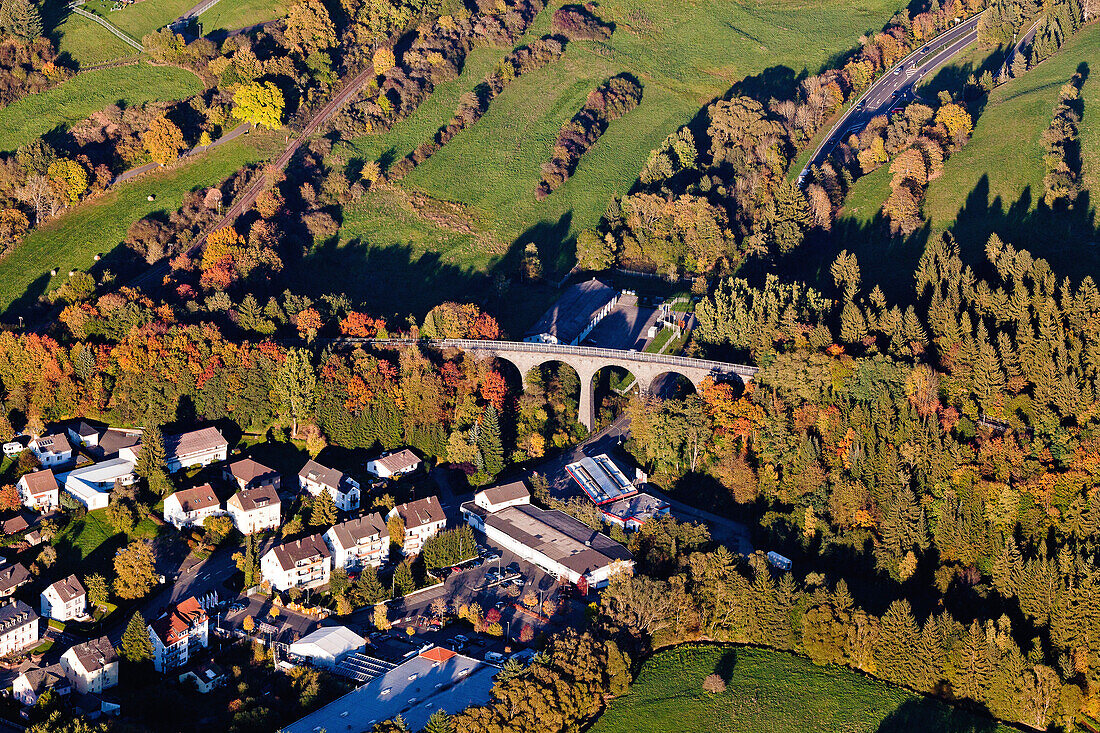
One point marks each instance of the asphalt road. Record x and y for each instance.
(897, 84)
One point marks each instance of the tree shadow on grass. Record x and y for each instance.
(922, 715)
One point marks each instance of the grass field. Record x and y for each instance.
(141, 17)
(771, 692)
(30, 117)
(994, 183)
(685, 54)
(231, 14)
(89, 43)
(71, 241)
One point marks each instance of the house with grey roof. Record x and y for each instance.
(194, 449)
(574, 314)
(360, 542)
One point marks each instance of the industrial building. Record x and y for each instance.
(554, 541)
(574, 314)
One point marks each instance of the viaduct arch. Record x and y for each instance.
(586, 360)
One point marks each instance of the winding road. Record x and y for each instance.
(897, 84)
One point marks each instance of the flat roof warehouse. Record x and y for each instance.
(437, 679)
(601, 479)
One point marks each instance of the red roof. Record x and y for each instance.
(437, 654)
(178, 621)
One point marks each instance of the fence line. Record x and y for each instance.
(95, 18)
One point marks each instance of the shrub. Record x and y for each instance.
(713, 683)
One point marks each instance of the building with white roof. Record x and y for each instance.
(91, 485)
(601, 479)
(435, 679)
(195, 448)
(396, 463)
(326, 646)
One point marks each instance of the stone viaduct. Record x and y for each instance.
(586, 360)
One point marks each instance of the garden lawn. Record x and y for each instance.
(772, 692)
(64, 105)
(89, 43)
(232, 14)
(685, 54)
(99, 226)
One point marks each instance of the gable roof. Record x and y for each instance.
(333, 640)
(197, 498)
(420, 512)
(350, 532)
(195, 441)
(177, 622)
(398, 461)
(95, 654)
(257, 498)
(289, 554)
(13, 576)
(68, 588)
(112, 441)
(40, 679)
(15, 525)
(506, 492)
(56, 443)
(247, 470)
(568, 316)
(83, 429)
(315, 472)
(40, 482)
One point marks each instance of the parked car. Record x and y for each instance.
(512, 567)
(494, 657)
(457, 569)
(492, 558)
(462, 639)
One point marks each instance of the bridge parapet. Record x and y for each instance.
(586, 360)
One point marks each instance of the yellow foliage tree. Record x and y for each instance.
(70, 176)
(163, 140)
(259, 104)
(384, 60)
(956, 119)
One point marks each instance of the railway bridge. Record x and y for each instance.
(586, 360)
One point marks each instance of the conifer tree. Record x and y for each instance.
(136, 646)
(20, 19)
(323, 511)
(488, 442)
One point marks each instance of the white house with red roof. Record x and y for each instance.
(179, 634)
(39, 490)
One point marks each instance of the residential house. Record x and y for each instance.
(11, 577)
(115, 443)
(255, 510)
(190, 507)
(360, 542)
(51, 450)
(34, 682)
(83, 434)
(195, 448)
(423, 518)
(316, 478)
(248, 474)
(207, 676)
(65, 600)
(393, 464)
(92, 485)
(39, 490)
(18, 627)
(92, 666)
(15, 525)
(179, 634)
(304, 563)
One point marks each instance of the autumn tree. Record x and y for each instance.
(260, 104)
(152, 462)
(95, 585)
(135, 571)
(71, 177)
(10, 499)
(136, 646)
(956, 120)
(383, 60)
(309, 28)
(163, 140)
